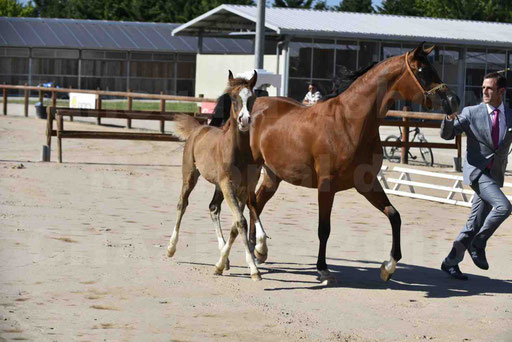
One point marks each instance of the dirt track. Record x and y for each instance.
(83, 247)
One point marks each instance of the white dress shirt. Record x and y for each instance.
(312, 98)
(501, 115)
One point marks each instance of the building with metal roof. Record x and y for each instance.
(313, 46)
(313, 23)
(109, 55)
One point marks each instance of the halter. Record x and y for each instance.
(426, 93)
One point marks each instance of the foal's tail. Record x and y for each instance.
(185, 125)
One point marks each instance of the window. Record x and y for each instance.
(13, 66)
(450, 58)
(323, 58)
(300, 58)
(49, 66)
(368, 54)
(346, 55)
(103, 68)
(475, 67)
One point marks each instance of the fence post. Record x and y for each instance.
(5, 100)
(47, 149)
(404, 158)
(162, 109)
(98, 107)
(130, 106)
(60, 128)
(54, 100)
(71, 118)
(26, 100)
(457, 162)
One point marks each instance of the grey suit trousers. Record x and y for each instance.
(490, 207)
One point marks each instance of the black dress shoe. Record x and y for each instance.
(478, 257)
(454, 271)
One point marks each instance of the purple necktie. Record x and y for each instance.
(495, 133)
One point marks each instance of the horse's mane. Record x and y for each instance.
(235, 84)
(226, 126)
(344, 80)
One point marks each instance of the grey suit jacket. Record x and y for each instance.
(474, 121)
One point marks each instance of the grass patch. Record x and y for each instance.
(187, 107)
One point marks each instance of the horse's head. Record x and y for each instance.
(422, 84)
(242, 97)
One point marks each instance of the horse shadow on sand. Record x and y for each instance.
(434, 282)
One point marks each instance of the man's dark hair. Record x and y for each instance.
(500, 79)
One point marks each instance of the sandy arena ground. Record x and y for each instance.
(83, 246)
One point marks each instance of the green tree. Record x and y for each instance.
(321, 5)
(170, 11)
(13, 8)
(484, 10)
(360, 6)
(399, 7)
(293, 3)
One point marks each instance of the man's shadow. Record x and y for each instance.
(433, 281)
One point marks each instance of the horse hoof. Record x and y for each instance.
(326, 278)
(256, 276)
(217, 271)
(227, 265)
(170, 251)
(260, 258)
(384, 274)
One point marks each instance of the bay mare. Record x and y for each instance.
(335, 145)
(223, 157)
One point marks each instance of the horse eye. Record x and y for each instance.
(420, 69)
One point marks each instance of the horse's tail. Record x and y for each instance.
(185, 125)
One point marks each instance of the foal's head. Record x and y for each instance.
(422, 84)
(242, 97)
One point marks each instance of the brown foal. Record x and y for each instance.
(223, 157)
(335, 145)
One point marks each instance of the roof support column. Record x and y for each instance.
(461, 77)
(259, 48)
(286, 67)
(200, 42)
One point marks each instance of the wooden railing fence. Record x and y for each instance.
(408, 118)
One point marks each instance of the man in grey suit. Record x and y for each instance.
(488, 127)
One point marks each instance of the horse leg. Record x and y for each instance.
(215, 206)
(261, 249)
(189, 182)
(379, 199)
(325, 201)
(239, 227)
(265, 192)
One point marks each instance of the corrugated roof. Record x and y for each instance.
(300, 22)
(108, 35)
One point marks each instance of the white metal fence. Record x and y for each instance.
(455, 193)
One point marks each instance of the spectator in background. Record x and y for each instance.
(312, 96)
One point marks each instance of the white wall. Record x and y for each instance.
(212, 71)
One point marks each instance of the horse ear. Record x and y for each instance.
(428, 50)
(418, 51)
(230, 77)
(252, 81)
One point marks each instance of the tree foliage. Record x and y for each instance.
(360, 6)
(484, 10)
(179, 11)
(294, 3)
(170, 11)
(399, 7)
(13, 8)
